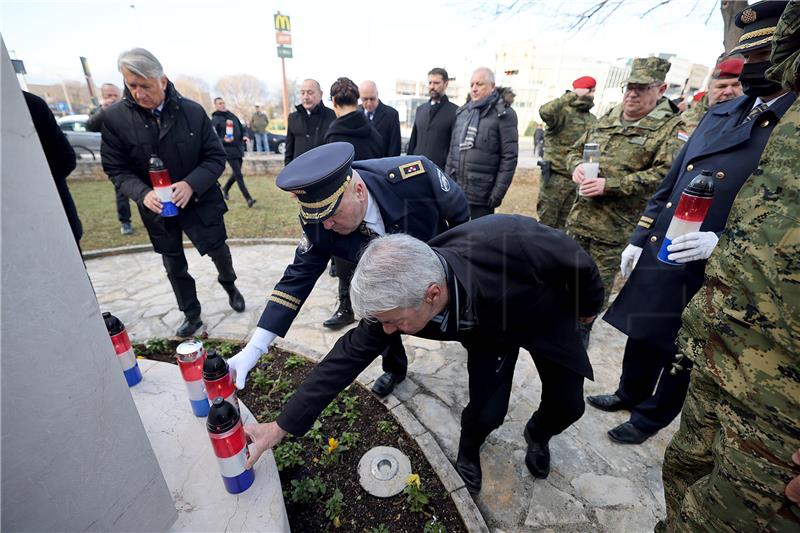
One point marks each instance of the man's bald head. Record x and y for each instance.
(369, 95)
(310, 94)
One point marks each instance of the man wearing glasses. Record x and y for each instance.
(638, 140)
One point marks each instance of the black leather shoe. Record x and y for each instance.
(627, 433)
(537, 458)
(342, 317)
(250, 202)
(468, 467)
(236, 300)
(224, 194)
(386, 383)
(189, 327)
(607, 402)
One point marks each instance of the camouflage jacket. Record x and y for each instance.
(692, 117)
(743, 327)
(566, 123)
(634, 159)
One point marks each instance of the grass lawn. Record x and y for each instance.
(273, 215)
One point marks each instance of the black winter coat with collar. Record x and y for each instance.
(355, 129)
(235, 149)
(306, 130)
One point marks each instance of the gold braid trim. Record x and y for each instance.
(286, 296)
(748, 45)
(758, 33)
(284, 303)
(330, 199)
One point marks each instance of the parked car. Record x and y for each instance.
(82, 141)
(277, 143)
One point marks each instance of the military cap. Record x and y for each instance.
(318, 179)
(728, 68)
(647, 70)
(584, 82)
(758, 23)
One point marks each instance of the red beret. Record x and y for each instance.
(584, 82)
(729, 68)
(698, 96)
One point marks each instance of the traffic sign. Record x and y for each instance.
(285, 52)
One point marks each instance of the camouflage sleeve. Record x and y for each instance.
(645, 182)
(575, 156)
(553, 112)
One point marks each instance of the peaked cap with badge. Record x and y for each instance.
(647, 70)
(758, 23)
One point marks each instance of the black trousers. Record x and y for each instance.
(491, 371)
(643, 365)
(123, 207)
(394, 358)
(236, 167)
(478, 211)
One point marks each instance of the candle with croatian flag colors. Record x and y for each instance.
(229, 130)
(218, 379)
(122, 345)
(692, 208)
(230, 446)
(191, 356)
(162, 185)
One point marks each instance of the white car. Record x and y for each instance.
(82, 140)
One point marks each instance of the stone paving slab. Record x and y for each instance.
(617, 486)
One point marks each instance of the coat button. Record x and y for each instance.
(720, 175)
(765, 124)
(669, 204)
(653, 238)
(689, 168)
(391, 175)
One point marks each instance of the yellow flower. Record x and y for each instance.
(413, 479)
(336, 521)
(332, 445)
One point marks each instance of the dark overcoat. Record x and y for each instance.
(650, 304)
(386, 121)
(306, 130)
(433, 126)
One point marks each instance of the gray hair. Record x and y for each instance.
(140, 62)
(394, 272)
(487, 72)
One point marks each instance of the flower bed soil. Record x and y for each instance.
(358, 422)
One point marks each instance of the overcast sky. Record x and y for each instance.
(379, 40)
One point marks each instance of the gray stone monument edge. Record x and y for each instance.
(75, 455)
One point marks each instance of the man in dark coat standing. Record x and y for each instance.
(433, 122)
(484, 144)
(383, 118)
(728, 142)
(153, 119)
(309, 123)
(233, 143)
(496, 285)
(342, 206)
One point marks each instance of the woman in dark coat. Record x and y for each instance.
(351, 125)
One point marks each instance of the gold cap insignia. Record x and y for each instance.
(749, 16)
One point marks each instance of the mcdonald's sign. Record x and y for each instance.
(282, 22)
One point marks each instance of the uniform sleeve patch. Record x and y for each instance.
(683, 136)
(647, 219)
(444, 181)
(411, 169)
(645, 225)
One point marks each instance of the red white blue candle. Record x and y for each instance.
(123, 349)
(691, 211)
(191, 356)
(162, 185)
(218, 379)
(230, 446)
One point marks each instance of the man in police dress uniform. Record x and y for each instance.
(495, 284)
(342, 206)
(728, 142)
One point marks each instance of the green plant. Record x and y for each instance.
(286, 396)
(384, 426)
(287, 455)
(157, 346)
(334, 506)
(415, 496)
(434, 526)
(227, 349)
(380, 529)
(260, 379)
(331, 452)
(351, 416)
(307, 489)
(349, 401)
(330, 410)
(294, 361)
(349, 440)
(279, 385)
(315, 433)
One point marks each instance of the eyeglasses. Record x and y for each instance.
(638, 89)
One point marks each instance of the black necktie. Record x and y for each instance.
(363, 229)
(757, 110)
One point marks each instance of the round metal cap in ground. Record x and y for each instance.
(383, 471)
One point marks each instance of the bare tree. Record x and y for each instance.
(241, 92)
(194, 89)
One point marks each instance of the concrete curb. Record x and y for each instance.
(452, 482)
(136, 248)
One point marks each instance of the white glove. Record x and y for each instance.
(692, 246)
(628, 259)
(241, 363)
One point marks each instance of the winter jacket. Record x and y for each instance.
(259, 122)
(306, 130)
(234, 149)
(355, 129)
(486, 170)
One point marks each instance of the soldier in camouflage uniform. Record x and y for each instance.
(733, 464)
(567, 119)
(724, 86)
(638, 140)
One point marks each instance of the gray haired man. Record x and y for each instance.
(153, 119)
(495, 284)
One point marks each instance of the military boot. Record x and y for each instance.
(468, 465)
(342, 316)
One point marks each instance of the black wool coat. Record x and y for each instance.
(235, 149)
(386, 120)
(433, 126)
(355, 129)
(306, 130)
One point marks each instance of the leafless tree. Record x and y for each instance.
(194, 89)
(241, 92)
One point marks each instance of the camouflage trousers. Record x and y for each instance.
(556, 197)
(605, 256)
(726, 468)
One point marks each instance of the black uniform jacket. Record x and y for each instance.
(386, 121)
(219, 120)
(306, 130)
(526, 284)
(413, 195)
(649, 306)
(186, 143)
(433, 126)
(354, 128)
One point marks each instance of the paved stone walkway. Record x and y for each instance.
(594, 485)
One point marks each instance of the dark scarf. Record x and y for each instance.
(471, 125)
